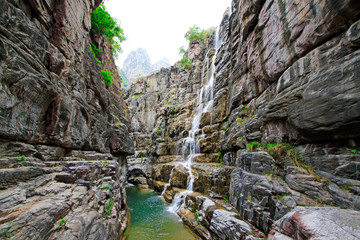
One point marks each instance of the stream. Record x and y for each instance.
(150, 218)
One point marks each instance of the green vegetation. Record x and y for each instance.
(125, 232)
(108, 208)
(185, 62)
(347, 187)
(182, 50)
(61, 223)
(138, 77)
(219, 158)
(138, 95)
(21, 159)
(250, 197)
(353, 151)
(281, 150)
(171, 99)
(197, 218)
(277, 150)
(252, 146)
(94, 50)
(195, 33)
(106, 188)
(107, 77)
(102, 21)
(318, 200)
(118, 123)
(6, 234)
(226, 197)
(244, 108)
(239, 120)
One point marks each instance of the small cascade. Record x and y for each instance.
(168, 184)
(191, 144)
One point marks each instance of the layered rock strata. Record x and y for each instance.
(286, 85)
(63, 134)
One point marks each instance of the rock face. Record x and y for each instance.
(138, 63)
(283, 128)
(63, 134)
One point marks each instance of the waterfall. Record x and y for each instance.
(168, 184)
(191, 144)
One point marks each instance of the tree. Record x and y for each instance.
(102, 21)
(195, 33)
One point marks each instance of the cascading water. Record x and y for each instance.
(191, 144)
(168, 184)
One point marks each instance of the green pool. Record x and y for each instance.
(150, 219)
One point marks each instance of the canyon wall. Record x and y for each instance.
(63, 135)
(282, 131)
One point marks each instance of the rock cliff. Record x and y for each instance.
(278, 129)
(63, 134)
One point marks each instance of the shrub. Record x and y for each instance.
(197, 218)
(252, 146)
(195, 33)
(107, 77)
(185, 62)
(182, 51)
(62, 223)
(94, 50)
(171, 99)
(353, 151)
(108, 208)
(6, 234)
(277, 150)
(226, 197)
(239, 120)
(102, 21)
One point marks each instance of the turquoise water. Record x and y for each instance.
(150, 220)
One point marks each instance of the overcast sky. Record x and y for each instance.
(159, 26)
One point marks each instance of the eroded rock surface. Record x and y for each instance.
(63, 134)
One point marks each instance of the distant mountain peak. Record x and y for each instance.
(138, 62)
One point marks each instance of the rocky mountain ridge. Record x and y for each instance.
(278, 141)
(138, 63)
(63, 133)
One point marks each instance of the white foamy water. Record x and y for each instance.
(191, 144)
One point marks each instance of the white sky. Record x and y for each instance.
(159, 26)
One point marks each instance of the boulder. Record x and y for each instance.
(319, 223)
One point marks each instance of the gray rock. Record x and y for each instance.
(227, 226)
(255, 162)
(319, 223)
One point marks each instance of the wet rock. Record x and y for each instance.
(180, 176)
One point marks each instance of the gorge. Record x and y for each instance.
(258, 138)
